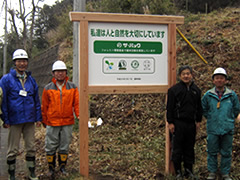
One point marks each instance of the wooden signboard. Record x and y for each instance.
(123, 53)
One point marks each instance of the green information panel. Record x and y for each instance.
(128, 47)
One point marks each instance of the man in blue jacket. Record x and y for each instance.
(21, 109)
(220, 108)
(184, 114)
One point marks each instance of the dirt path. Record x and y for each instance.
(3, 153)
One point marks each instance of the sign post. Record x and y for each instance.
(123, 53)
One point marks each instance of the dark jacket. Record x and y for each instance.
(184, 103)
(19, 109)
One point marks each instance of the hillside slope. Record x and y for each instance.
(138, 152)
(131, 142)
(216, 37)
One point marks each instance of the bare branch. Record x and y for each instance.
(12, 13)
(27, 18)
(32, 26)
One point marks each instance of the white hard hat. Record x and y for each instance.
(20, 54)
(59, 65)
(220, 71)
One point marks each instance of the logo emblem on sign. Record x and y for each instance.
(135, 64)
(122, 65)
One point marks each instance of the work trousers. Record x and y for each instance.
(219, 144)
(58, 138)
(14, 136)
(183, 144)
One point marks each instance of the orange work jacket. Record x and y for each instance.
(58, 107)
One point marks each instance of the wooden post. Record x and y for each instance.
(83, 98)
(172, 80)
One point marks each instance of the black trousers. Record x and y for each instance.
(183, 141)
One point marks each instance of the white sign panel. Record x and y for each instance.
(128, 54)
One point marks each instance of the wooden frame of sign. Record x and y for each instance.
(85, 89)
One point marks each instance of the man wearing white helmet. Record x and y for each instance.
(220, 108)
(59, 104)
(21, 109)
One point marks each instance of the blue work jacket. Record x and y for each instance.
(220, 113)
(16, 108)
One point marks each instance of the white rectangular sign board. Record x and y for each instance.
(128, 54)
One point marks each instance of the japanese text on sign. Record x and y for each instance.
(127, 33)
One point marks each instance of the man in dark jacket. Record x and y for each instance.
(184, 114)
(20, 110)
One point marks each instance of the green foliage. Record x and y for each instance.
(203, 6)
(117, 6)
(52, 21)
(63, 30)
(161, 6)
(157, 6)
(133, 6)
(188, 18)
(76, 125)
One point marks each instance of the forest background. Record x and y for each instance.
(131, 142)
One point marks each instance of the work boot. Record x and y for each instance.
(62, 160)
(51, 164)
(178, 170)
(179, 175)
(226, 177)
(211, 176)
(11, 169)
(31, 168)
(189, 175)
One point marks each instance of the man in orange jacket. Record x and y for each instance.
(60, 102)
